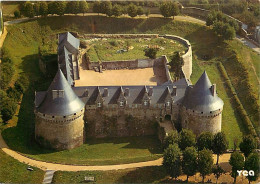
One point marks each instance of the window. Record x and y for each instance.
(98, 104)
(145, 102)
(121, 104)
(168, 103)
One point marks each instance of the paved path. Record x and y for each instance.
(48, 176)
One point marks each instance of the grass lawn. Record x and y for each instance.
(23, 41)
(9, 7)
(154, 174)
(107, 50)
(12, 171)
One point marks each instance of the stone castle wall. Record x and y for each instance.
(59, 132)
(137, 120)
(198, 122)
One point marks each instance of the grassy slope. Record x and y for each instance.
(24, 48)
(13, 171)
(153, 174)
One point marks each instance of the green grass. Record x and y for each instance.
(23, 41)
(107, 50)
(12, 171)
(154, 174)
(10, 7)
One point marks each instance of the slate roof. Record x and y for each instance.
(136, 94)
(66, 104)
(200, 97)
(69, 41)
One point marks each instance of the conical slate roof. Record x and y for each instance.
(60, 99)
(200, 97)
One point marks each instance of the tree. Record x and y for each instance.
(72, 7)
(248, 145)
(83, 7)
(205, 163)
(217, 171)
(172, 138)
(187, 139)
(176, 64)
(132, 10)
(252, 163)
(106, 7)
(96, 7)
(117, 10)
(29, 10)
(205, 141)
(17, 14)
(140, 11)
(7, 106)
(43, 11)
(36, 7)
(151, 52)
(51, 8)
(237, 162)
(229, 32)
(219, 144)
(189, 162)
(147, 13)
(169, 9)
(59, 7)
(172, 160)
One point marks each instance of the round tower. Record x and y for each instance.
(59, 116)
(201, 108)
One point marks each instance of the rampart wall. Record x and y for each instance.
(143, 63)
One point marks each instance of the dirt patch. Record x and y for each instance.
(145, 76)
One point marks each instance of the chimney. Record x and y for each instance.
(174, 91)
(213, 89)
(85, 94)
(105, 94)
(150, 91)
(126, 92)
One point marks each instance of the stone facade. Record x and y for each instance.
(60, 132)
(198, 122)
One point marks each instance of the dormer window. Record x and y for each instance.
(121, 103)
(99, 104)
(168, 103)
(145, 103)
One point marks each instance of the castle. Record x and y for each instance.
(66, 114)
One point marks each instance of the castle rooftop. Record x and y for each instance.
(60, 99)
(202, 97)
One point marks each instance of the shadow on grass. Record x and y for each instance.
(151, 143)
(152, 174)
(21, 137)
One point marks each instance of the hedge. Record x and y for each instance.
(239, 107)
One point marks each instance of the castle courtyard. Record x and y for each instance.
(145, 76)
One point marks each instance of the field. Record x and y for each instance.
(24, 48)
(108, 50)
(13, 171)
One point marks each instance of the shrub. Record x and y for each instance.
(172, 138)
(117, 10)
(169, 9)
(140, 11)
(14, 94)
(17, 14)
(151, 52)
(132, 10)
(22, 84)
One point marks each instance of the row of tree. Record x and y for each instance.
(185, 154)
(222, 25)
(29, 9)
(9, 96)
